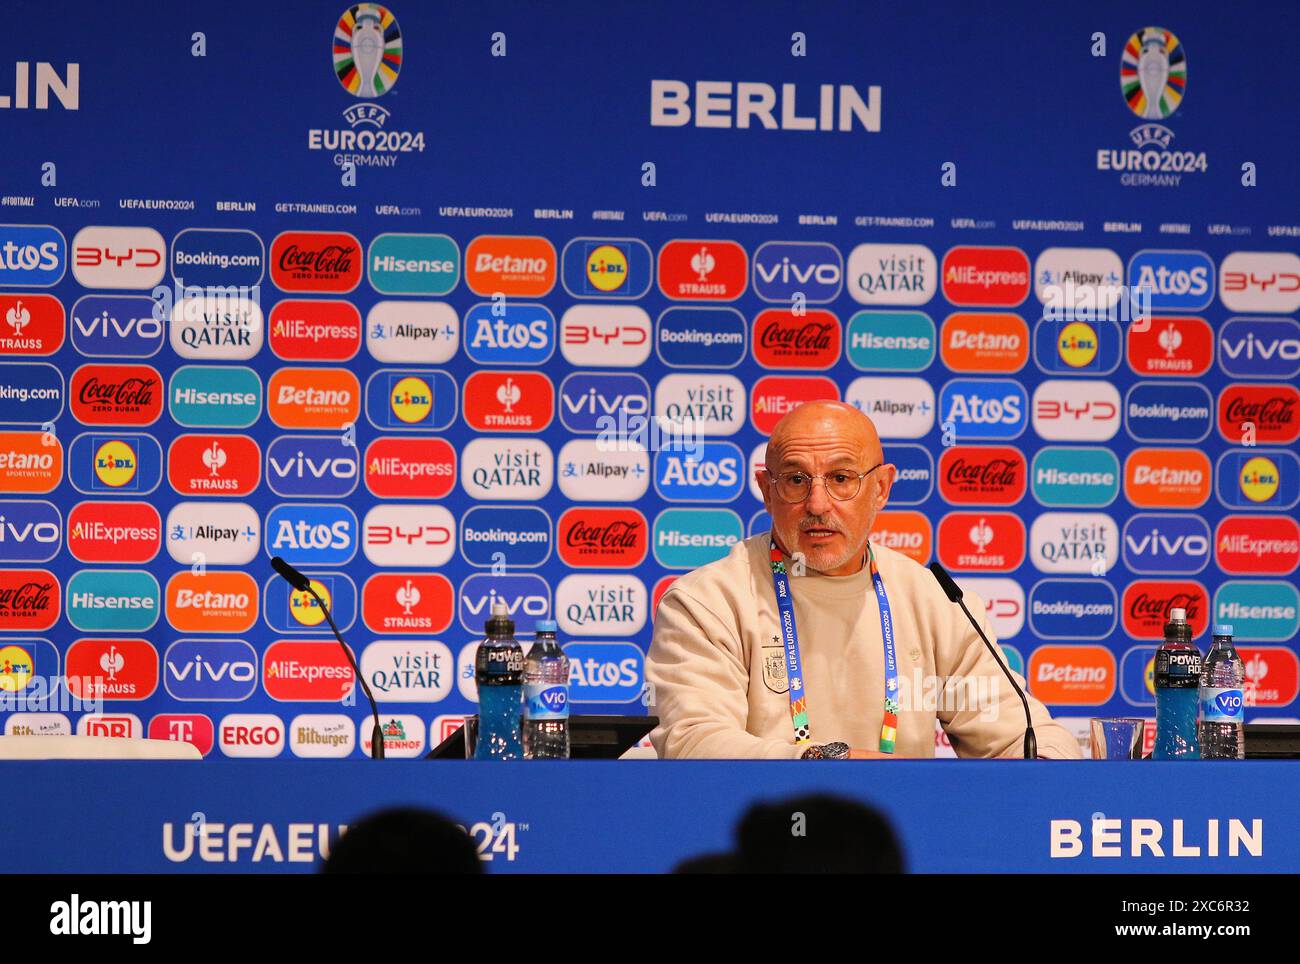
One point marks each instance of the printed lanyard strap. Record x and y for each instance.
(793, 664)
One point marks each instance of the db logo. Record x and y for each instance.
(116, 395)
(214, 602)
(112, 669)
(298, 670)
(315, 331)
(703, 270)
(313, 398)
(251, 735)
(979, 343)
(657, 593)
(904, 531)
(603, 538)
(1270, 675)
(1269, 411)
(117, 725)
(1072, 675)
(509, 401)
(774, 396)
(192, 728)
(410, 468)
(981, 541)
(118, 257)
(1147, 603)
(985, 277)
(982, 475)
(31, 325)
(407, 603)
(1257, 545)
(214, 465)
(1171, 346)
(28, 464)
(515, 266)
(1167, 478)
(122, 532)
(328, 261)
(783, 339)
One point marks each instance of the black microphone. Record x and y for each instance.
(954, 594)
(300, 582)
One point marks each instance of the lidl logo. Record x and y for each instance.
(1091, 347)
(115, 464)
(519, 535)
(1168, 411)
(784, 270)
(411, 400)
(1258, 479)
(1177, 346)
(519, 333)
(1173, 280)
(1259, 611)
(209, 396)
(1073, 609)
(1166, 544)
(413, 264)
(607, 268)
(1075, 477)
(288, 610)
(898, 341)
(690, 538)
(701, 337)
(1137, 676)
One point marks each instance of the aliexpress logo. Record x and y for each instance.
(783, 339)
(982, 475)
(407, 603)
(1182, 347)
(1167, 478)
(111, 669)
(1272, 410)
(207, 465)
(1072, 675)
(904, 531)
(981, 541)
(703, 270)
(317, 331)
(410, 468)
(509, 401)
(512, 265)
(326, 261)
(317, 672)
(29, 600)
(122, 532)
(116, 395)
(598, 538)
(211, 602)
(30, 462)
(775, 395)
(984, 343)
(1265, 545)
(985, 277)
(31, 325)
(1147, 603)
(313, 398)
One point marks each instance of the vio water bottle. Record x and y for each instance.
(546, 697)
(499, 675)
(1222, 735)
(1178, 681)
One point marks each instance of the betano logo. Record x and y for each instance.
(212, 602)
(514, 266)
(316, 398)
(1072, 675)
(981, 343)
(1167, 478)
(904, 531)
(30, 462)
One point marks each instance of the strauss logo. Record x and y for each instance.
(508, 394)
(111, 663)
(981, 534)
(1170, 339)
(702, 263)
(214, 458)
(1255, 669)
(18, 317)
(408, 597)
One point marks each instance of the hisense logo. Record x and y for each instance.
(66, 89)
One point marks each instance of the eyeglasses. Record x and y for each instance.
(841, 484)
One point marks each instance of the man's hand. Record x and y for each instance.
(856, 754)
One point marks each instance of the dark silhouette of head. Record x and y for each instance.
(816, 834)
(403, 841)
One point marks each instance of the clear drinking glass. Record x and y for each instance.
(1117, 739)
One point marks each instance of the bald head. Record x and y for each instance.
(825, 421)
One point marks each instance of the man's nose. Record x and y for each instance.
(819, 500)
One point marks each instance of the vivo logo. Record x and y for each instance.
(527, 598)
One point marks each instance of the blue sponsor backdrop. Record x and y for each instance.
(463, 144)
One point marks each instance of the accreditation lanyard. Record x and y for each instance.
(794, 666)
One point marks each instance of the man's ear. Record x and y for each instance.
(762, 477)
(888, 471)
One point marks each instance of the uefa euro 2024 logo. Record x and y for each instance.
(367, 50)
(1153, 73)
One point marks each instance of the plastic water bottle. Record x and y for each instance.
(1178, 681)
(1222, 675)
(499, 675)
(546, 697)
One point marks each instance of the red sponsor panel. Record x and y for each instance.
(775, 395)
(116, 395)
(703, 270)
(30, 600)
(509, 401)
(1260, 545)
(1272, 410)
(601, 538)
(1272, 675)
(30, 462)
(122, 532)
(1167, 478)
(981, 541)
(111, 669)
(782, 339)
(983, 475)
(1072, 675)
(307, 670)
(211, 601)
(1146, 606)
(327, 261)
(517, 266)
(1172, 346)
(410, 468)
(31, 325)
(981, 277)
(984, 342)
(192, 728)
(211, 465)
(905, 531)
(309, 330)
(409, 603)
(657, 594)
(324, 398)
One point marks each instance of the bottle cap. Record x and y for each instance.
(1222, 629)
(546, 626)
(500, 624)
(1178, 615)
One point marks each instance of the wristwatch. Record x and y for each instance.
(828, 751)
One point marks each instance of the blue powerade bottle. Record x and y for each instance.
(499, 675)
(1178, 683)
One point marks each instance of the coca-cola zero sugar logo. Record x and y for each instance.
(612, 538)
(328, 261)
(116, 395)
(982, 475)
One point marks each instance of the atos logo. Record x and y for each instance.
(122, 532)
(1260, 348)
(413, 264)
(315, 330)
(773, 396)
(509, 334)
(898, 341)
(716, 475)
(1258, 479)
(113, 600)
(104, 257)
(605, 672)
(410, 468)
(1257, 545)
(690, 538)
(914, 480)
(218, 258)
(1173, 280)
(1264, 611)
(111, 669)
(1168, 411)
(312, 466)
(1075, 477)
(115, 464)
(192, 728)
(809, 340)
(29, 531)
(514, 535)
(214, 465)
(209, 396)
(116, 326)
(600, 604)
(605, 336)
(287, 610)
(33, 324)
(701, 337)
(1260, 281)
(116, 395)
(311, 535)
(1092, 347)
(411, 400)
(786, 269)
(527, 598)
(32, 255)
(31, 393)
(984, 408)
(1172, 544)
(981, 541)
(311, 671)
(409, 535)
(703, 270)
(408, 603)
(412, 332)
(592, 402)
(509, 401)
(1082, 411)
(1271, 411)
(607, 268)
(602, 538)
(986, 277)
(324, 261)
(1073, 609)
(980, 475)
(1182, 347)
(1147, 604)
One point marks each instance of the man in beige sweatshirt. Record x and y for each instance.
(718, 660)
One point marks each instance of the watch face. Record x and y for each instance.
(836, 751)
